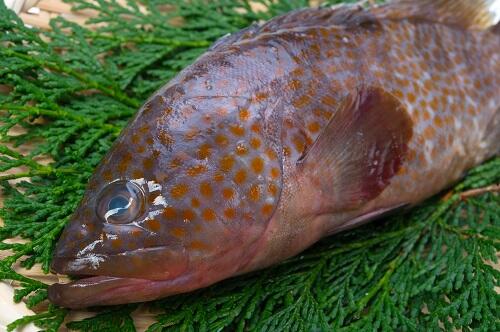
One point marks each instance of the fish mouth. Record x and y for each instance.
(136, 276)
(106, 290)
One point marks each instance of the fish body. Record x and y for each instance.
(312, 123)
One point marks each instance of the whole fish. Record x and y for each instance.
(312, 123)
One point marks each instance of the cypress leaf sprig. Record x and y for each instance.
(72, 89)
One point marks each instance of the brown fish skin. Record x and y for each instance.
(313, 123)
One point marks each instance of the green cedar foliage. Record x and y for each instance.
(73, 89)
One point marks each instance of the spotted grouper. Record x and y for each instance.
(285, 132)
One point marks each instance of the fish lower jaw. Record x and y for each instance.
(105, 290)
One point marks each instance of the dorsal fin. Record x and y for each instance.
(468, 14)
(344, 15)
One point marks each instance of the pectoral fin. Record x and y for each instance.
(361, 149)
(367, 217)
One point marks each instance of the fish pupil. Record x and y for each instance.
(118, 202)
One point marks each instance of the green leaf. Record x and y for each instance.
(72, 90)
(115, 319)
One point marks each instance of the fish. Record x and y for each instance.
(285, 132)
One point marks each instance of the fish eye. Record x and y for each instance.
(120, 202)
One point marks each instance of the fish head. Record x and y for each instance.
(181, 200)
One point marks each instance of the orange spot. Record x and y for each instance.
(147, 163)
(267, 209)
(428, 85)
(153, 225)
(271, 154)
(240, 176)
(426, 115)
(198, 245)
(411, 155)
(429, 132)
(116, 243)
(422, 160)
(438, 122)
(206, 189)
(299, 144)
(260, 96)
(254, 193)
(398, 93)
(255, 142)
(188, 215)
(195, 202)
(275, 173)
(411, 97)
(107, 175)
(144, 129)
(196, 170)
(241, 150)
(178, 232)
(226, 163)
(204, 151)
(135, 232)
(257, 165)
(169, 213)
(313, 127)
(286, 151)
(302, 101)
(315, 49)
(434, 104)
(230, 213)
(176, 162)
(135, 139)
(329, 100)
(404, 82)
(477, 84)
(166, 138)
(244, 114)
(298, 71)
(272, 189)
(255, 127)
(191, 134)
(324, 32)
(237, 130)
(294, 85)
(221, 140)
(218, 177)
(167, 111)
(179, 190)
(209, 215)
(228, 193)
(222, 111)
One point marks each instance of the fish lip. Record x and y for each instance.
(99, 264)
(107, 290)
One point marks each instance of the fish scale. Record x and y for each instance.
(312, 123)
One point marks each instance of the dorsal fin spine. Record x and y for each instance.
(468, 14)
